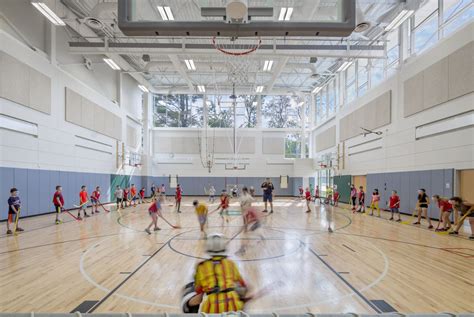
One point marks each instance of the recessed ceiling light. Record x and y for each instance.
(285, 14)
(48, 13)
(316, 90)
(166, 14)
(143, 88)
(190, 64)
(201, 88)
(267, 66)
(399, 19)
(344, 66)
(111, 63)
(259, 89)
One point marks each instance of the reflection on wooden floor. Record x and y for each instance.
(366, 263)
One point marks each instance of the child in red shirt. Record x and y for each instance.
(178, 197)
(142, 195)
(83, 200)
(394, 205)
(224, 205)
(445, 209)
(361, 196)
(308, 199)
(335, 196)
(58, 202)
(155, 211)
(126, 191)
(95, 196)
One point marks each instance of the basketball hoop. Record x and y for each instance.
(234, 48)
(236, 52)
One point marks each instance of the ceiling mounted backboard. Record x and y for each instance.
(327, 18)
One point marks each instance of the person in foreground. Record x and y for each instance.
(218, 286)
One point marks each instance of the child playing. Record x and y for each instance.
(178, 198)
(154, 211)
(118, 197)
(301, 190)
(394, 205)
(95, 196)
(353, 197)
(142, 195)
(465, 210)
(83, 200)
(252, 191)
(422, 204)
(308, 199)
(125, 200)
(224, 205)
(212, 194)
(58, 202)
(336, 197)
(316, 194)
(361, 207)
(374, 204)
(14, 205)
(201, 211)
(445, 209)
(133, 196)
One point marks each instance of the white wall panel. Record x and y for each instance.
(461, 71)
(326, 139)
(435, 84)
(39, 91)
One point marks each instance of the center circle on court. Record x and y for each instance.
(242, 248)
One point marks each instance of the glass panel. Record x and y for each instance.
(281, 112)
(293, 145)
(362, 76)
(425, 11)
(220, 111)
(318, 108)
(350, 84)
(178, 110)
(426, 34)
(331, 98)
(460, 19)
(393, 47)
(376, 72)
(246, 111)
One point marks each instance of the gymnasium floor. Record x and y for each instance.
(110, 262)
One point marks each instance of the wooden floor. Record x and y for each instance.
(109, 260)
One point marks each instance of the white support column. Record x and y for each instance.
(147, 156)
(303, 129)
(205, 122)
(440, 19)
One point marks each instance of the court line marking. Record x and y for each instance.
(354, 290)
(338, 298)
(348, 248)
(301, 244)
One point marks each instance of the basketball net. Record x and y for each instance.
(236, 52)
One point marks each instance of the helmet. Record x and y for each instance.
(216, 243)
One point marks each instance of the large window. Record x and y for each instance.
(456, 14)
(426, 26)
(220, 109)
(178, 110)
(362, 76)
(293, 145)
(331, 98)
(350, 83)
(281, 112)
(376, 71)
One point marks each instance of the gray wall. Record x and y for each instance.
(36, 188)
(436, 182)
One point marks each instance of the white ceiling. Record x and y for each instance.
(291, 71)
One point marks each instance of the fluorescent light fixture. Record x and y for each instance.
(190, 64)
(48, 13)
(399, 19)
(316, 90)
(166, 13)
(169, 13)
(344, 66)
(143, 88)
(259, 89)
(281, 17)
(111, 63)
(201, 88)
(267, 66)
(285, 14)
(289, 12)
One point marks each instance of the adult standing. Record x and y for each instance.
(268, 188)
(353, 197)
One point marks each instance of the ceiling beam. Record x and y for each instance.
(179, 67)
(277, 72)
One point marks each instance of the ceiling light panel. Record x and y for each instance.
(48, 13)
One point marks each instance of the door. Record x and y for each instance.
(360, 180)
(466, 182)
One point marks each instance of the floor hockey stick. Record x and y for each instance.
(67, 211)
(16, 222)
(105, 209)
(169, 223)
